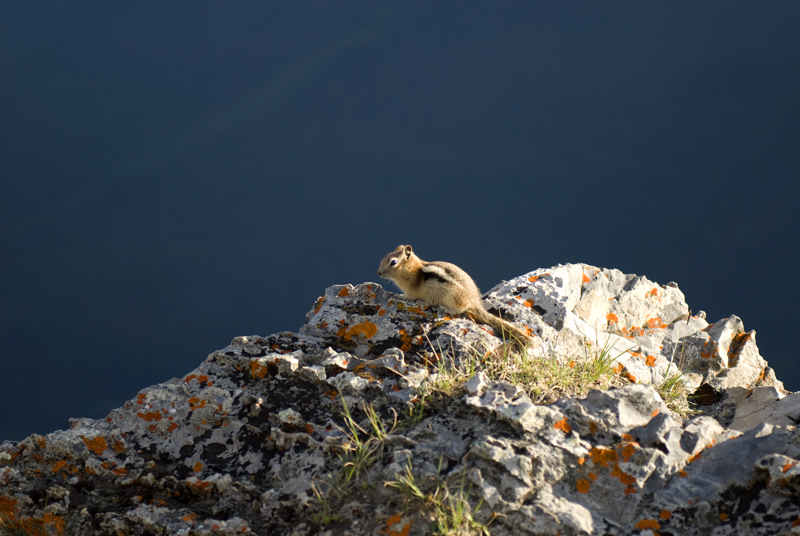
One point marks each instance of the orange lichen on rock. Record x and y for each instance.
(603, 456)
(627, 450)
(345, 292)
(407, 340)
(56, 521)
(625, 478)
(196, 483)
(395, 526)
(740, 339)
(417, 310)
(563, 425)
(583, 485)
(149, 416)
(318, 305)
(196, 403)
(528, 303)
(8, 508)
(60, 464)
(365, 329)
(48, 524)
(96, 445)
(646, 524)
(633, 331)
(656, 323)
(611, 318)
(650, 361)
(665, 514)
(257, 369)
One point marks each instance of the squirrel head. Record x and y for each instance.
(394, 262)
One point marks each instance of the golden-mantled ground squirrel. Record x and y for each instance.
(446, 285)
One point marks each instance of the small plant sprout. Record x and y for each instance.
(445, 499)
(359, 450)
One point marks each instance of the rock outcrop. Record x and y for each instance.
(332, 430)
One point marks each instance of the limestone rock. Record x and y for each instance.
(248, 441)
(762, 405)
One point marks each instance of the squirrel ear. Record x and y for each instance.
(407, 251)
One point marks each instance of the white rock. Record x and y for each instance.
(765, 405)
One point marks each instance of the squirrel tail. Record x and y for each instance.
(518, 338)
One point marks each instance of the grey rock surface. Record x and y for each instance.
(244, 443)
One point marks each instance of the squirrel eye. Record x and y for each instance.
(394, 261)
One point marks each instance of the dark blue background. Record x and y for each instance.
(177, 174)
